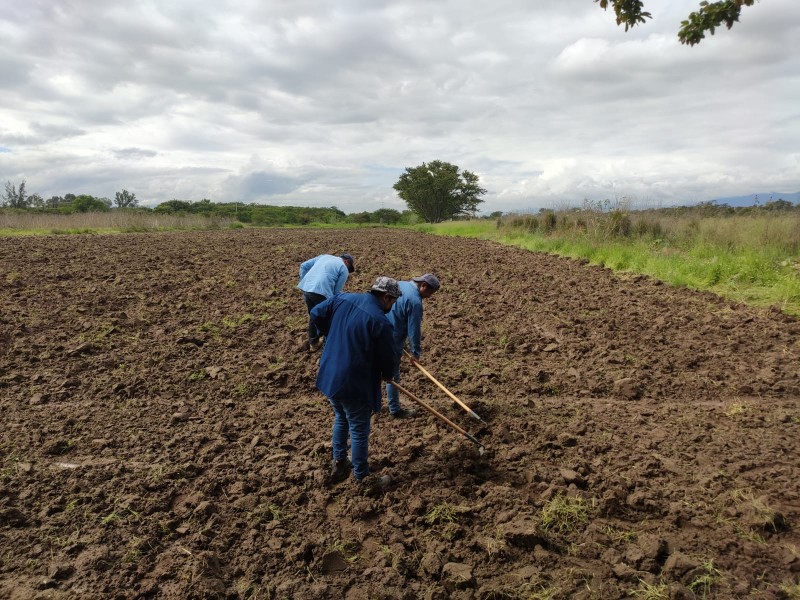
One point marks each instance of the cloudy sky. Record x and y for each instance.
(326, 102)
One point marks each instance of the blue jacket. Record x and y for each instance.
(406, 319)
(358, 347)
(324, 274)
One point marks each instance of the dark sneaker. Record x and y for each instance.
(405, 413)
(314, 346)
(340, 470)
(372, 485)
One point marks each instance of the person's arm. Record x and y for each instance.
(341, 279)
(306, 266)
(385, 354)
(415, 330)
(321, 316)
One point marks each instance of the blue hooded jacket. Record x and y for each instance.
(358, 347)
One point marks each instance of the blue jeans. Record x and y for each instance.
(392, 393)
(353, 418)
(312, 300)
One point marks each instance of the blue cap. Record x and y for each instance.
(429, 278)
(351, 264)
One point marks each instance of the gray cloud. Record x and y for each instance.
(297, 102)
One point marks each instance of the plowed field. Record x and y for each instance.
(162, 436)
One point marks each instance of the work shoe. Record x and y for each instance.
(372, 485)
(340, 470)
(405, 413)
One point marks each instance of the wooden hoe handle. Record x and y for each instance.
(435, 413)
(471, 412)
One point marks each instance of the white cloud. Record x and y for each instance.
(300, 102)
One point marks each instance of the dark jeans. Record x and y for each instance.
(352, 419)
(312, 300)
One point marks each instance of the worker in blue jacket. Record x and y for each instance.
(406, 319)
(357, 355)
(322, 277)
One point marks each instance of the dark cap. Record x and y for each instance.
(351, 264)
(429, 278)
(386, 285)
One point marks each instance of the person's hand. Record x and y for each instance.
(416, 355)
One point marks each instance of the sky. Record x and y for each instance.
(326, 103)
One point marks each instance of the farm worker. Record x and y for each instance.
(406, 319)
(357, 355)
(322, 277)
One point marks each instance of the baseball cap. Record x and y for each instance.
(429, 278)
(386, 285)
(351, 263)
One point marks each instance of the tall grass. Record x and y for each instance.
(753, 258)
(27, 223)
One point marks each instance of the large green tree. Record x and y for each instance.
(436, 191)
(710, 16)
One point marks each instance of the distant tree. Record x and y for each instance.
(15, 198)
(85, 203)
(710, 16)
(437, 191)
(35, 201)
(360, 217)
(779, 204)
(174, 206)
(387, 216)
(125, 199)
(54, 202)
(496, 214)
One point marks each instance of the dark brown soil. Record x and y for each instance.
(162, 437)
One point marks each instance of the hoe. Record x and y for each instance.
(440, 416)
(444, 389)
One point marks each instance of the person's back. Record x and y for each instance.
(324, 275)
(406, 316)
(359, 347)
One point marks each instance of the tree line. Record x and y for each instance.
(434, 192)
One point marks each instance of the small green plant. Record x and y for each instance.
(198, 375)
(441, 513)
(735, 410)
(134, 552)
(12, 468)
(293, 323)
(209, 327)
(276, 512)
(711, 576)
(750, 536)
(347, 549)
(651, 591)
(234, 322)
(790, 590)
(564, 513)
(619, 536)
(107, 520)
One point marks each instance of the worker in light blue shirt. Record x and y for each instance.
(357, 355)
(320, 278)
(406, 319)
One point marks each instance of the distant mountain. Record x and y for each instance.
(751, 199)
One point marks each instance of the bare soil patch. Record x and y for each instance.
(163, 439)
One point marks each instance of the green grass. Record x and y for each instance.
(744, 259)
